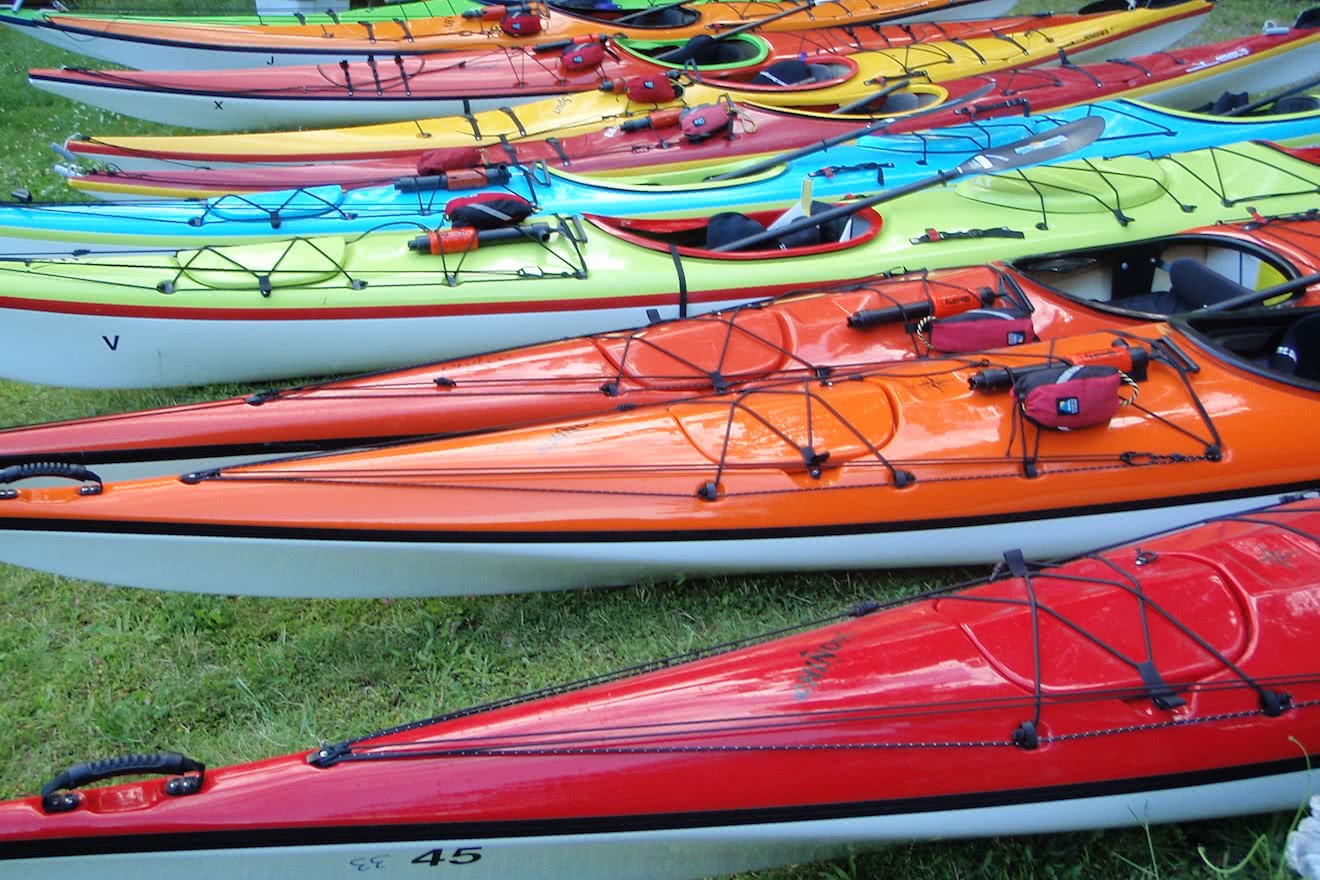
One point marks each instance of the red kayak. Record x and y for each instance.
(813, 333)
(656, 145)
(1168, 680)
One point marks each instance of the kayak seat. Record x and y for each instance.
(1297, 104)
(1193, 285)
(1197, 285)
(898, 102)
(792, 72)
(704, 50)
(729, 226)
(1226, 102)
(1298, 353)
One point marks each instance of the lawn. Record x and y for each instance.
(88, 671)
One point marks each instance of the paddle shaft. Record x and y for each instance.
(840, 211)
(1043, 147)
(1257, 296)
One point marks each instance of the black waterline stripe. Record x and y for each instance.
(334, 835)
(424, 536)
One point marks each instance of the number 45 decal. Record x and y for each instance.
(464, 855)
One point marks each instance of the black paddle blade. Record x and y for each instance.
(1044, 147)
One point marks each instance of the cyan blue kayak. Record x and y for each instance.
(871, 163)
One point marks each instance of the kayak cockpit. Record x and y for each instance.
(703, 236)
(1282, 344)
(792, 75)
(1163, 276)
(701, 51)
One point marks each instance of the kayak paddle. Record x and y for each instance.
(1043, 147)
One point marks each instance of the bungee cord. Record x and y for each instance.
(1168, 695)
(748, 406)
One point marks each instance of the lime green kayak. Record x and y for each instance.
(298, 307)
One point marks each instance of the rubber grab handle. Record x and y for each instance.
(888, 315)
(64, 469)
(161, 763)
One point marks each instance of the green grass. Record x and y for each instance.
(88, 670)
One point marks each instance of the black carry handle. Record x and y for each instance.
(56, 797)
(1043, 147)
(63, 469)
(871, 128)
(1259, 296)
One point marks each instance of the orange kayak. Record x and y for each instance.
(1051, 447)
(803, 334)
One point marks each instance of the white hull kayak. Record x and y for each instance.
(136, 352)
(155, 55)
(683, 853)
(1237, 71)
(346, 567)
(213, 112)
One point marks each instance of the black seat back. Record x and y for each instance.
(788, 72)
(1195, 285)
(1298, 353)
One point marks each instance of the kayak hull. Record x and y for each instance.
(239, 112)
(144, 352)
(241, 562)
(699, 850)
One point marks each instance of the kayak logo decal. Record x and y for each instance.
(112, 345)
(1221, 58)
(816, 664)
